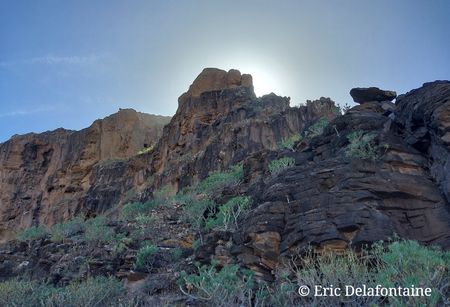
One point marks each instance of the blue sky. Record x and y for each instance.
(67, 63)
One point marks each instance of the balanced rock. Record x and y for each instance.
(366, 94)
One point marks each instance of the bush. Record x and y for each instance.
(400, 264)
(317, 128)
(218, 180)
(146, 257)
(407, 263)
(229, 214)
(197, 212)
(226, 287)
(64, 230)
(99, 291)
(288, 143)
(97, 232)
(32, 233)
(361, 146)
(276, 166)
(132, 210)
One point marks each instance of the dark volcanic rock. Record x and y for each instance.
(366, 94)
(425, 114)
(333, 202)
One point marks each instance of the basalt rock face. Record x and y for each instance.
(46, 178)
(332, 201)
(220, 121)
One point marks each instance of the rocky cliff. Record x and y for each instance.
(332, 200)
(45, 178)
(378, 171)
(220, 121)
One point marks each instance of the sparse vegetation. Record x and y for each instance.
(146, 257)
(229, 214)
(276, 166)
(132, 210)
(399, 264)
(288, 143)
(32, 233)
(97, 232)
(228, 286)
(64, 230)
(99, 291)
(218, 180)
(362, 146)
(317, 128)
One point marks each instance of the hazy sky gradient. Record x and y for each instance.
(67, 63)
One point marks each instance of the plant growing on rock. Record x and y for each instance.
(288, 143)
(362, 145)
(317, 128)
(131, 211)
(229, 214)
(32, 233)
(146, 258)
(228, 286)
(276, 166)
(64, 230)
(218, 180)
(97, 232)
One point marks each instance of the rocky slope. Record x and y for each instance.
(46, 178)
(379, 170)
(332, 201)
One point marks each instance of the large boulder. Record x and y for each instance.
(366, 94)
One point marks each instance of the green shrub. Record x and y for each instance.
(407, 263)
(276, 166)
(64, 230)
(229, 214)
(218, 180)
(399, 264)
(32, 233)
(226, 287)
(146, 257)
(97, 232)
(132, 210)
(288, 143)
(197, 212)
(99, 291)
(317, 128)
(361, 146)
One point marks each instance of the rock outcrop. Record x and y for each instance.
(366, 94)
(332, 201)
(220, 121)
(45, 178)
